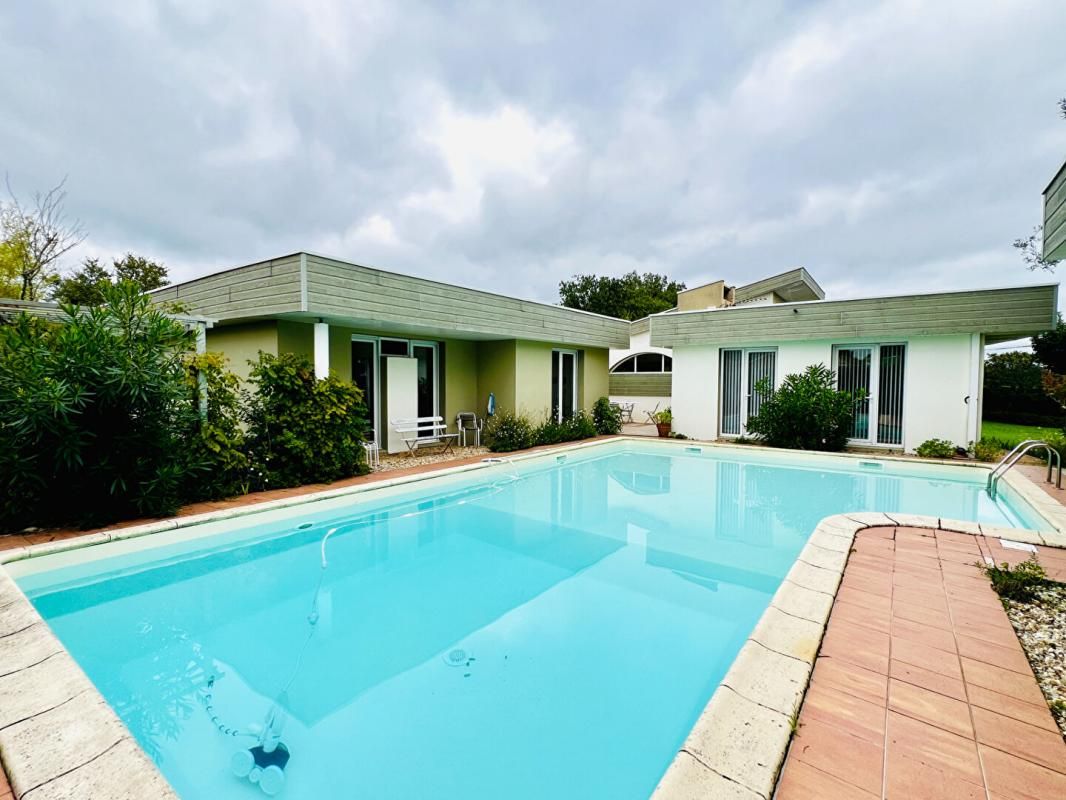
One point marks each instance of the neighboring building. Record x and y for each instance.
(416, 347)
(918, 358)
(1055, 217)
(641, 374)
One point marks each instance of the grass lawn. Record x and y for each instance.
(1010, 434)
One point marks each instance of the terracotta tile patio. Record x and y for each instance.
(921, 689)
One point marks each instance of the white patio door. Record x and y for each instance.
(740, 372)
(876, 371)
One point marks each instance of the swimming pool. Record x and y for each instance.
(547, 628)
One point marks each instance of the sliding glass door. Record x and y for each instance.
(369, 373)
(874, 374)
(740, 373)
(564, 384)
(425, 353)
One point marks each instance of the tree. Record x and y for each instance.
(1050, 348)
(86, 286)
(35, 237)
(1014, 389)
(142, 272)
(632, 296)
(1031, 249)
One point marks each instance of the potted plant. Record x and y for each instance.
(663, 420)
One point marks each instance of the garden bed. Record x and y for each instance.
(1041, 627)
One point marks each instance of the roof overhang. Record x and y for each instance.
(305, 286)
(999, 314)
(1055, 217)
(793, 286)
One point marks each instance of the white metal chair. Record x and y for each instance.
(468, 421)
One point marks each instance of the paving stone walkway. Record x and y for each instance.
(921, 689)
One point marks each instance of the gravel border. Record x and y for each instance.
(1041, 628)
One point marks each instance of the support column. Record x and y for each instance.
(321, 350)
(973, 402)
(201, 380)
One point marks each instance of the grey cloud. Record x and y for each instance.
(883, 146)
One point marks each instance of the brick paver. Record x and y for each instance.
(921, 688)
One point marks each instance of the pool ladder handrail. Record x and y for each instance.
(1015, 455)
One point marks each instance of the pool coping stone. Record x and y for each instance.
(735, 750)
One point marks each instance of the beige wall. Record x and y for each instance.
(533, 378)
(594, 376)
(460, 391)
(296, 337)
(242, 343)
(496, 371)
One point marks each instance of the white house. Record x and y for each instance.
(641, 374)
(918, 358)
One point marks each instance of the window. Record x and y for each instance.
(873, 372)
(645, 362)
(564, 384)
(395, 347)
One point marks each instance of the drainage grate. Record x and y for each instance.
(456, 658)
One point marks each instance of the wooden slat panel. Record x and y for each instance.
(1022, 310)
(267, 287)
(1055, 217)
(349, 290)
(637, 384)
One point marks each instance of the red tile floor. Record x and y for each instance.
(921, 689)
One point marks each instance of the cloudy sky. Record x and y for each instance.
(887, 147)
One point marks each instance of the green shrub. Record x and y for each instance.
(806, 412)
(987, 450)
(936, 448)
(301, 429)
(215, 446)
(92, 411)
(608, 418)
(1018, 583)
(507, 431)
(581, 425)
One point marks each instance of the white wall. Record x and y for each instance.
(695, 391)
(638, 343)
(937, 381)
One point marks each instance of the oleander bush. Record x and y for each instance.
(92, 414)
(806, 412)
(100, 418)
(608, 418)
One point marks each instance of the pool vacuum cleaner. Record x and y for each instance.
(265, 763)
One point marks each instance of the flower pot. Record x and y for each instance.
(664, 429)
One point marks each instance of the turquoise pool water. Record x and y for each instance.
(544, 629)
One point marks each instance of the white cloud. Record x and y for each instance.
(479, 147)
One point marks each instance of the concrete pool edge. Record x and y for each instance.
(58, 735)
(740, 741)
(60, 738)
